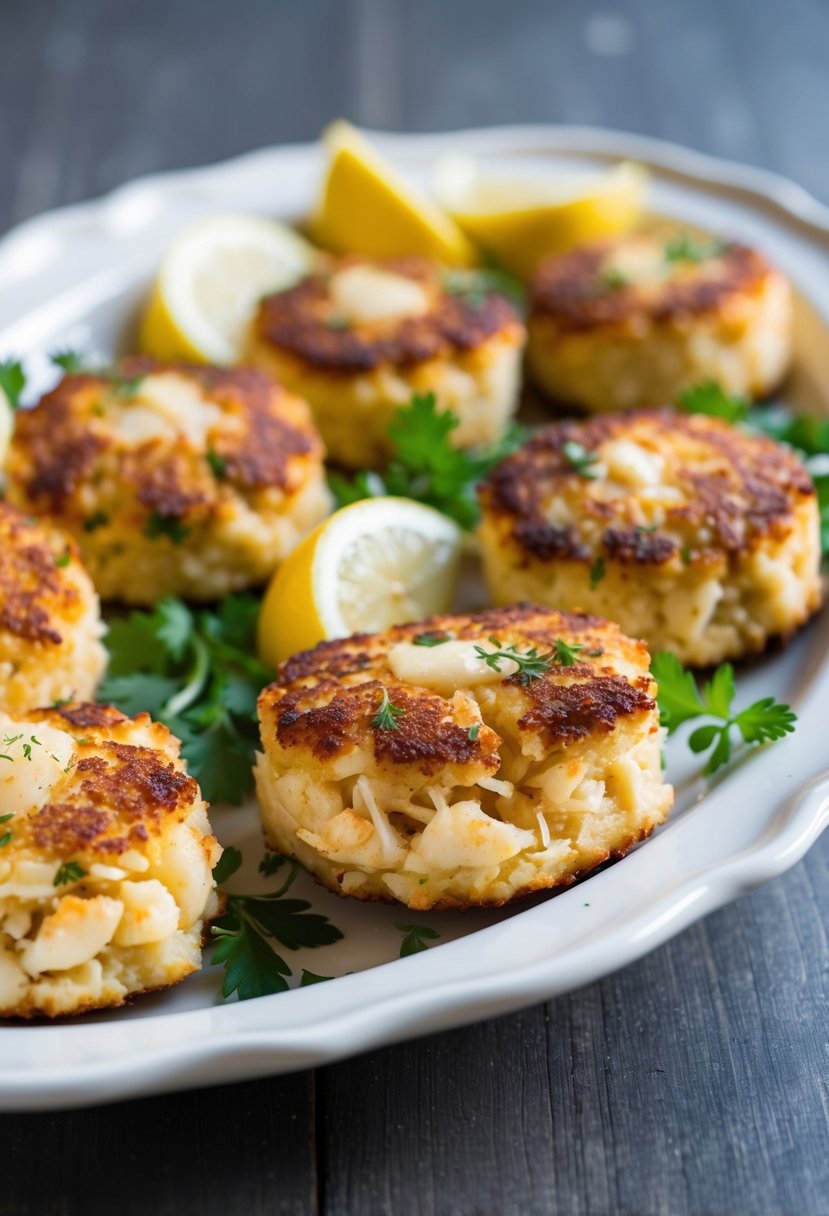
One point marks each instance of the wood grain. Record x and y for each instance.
(695, 1083)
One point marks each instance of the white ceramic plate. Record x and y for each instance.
(75, 278)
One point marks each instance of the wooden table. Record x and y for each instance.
(695, 1081)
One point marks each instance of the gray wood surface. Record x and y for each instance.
(695, 1082)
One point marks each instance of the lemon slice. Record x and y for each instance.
(522, 220)
(367, 207)
(373, 564)
(210, 280)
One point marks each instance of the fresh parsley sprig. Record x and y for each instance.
(680, 700)
(685, 248)
(387, 715)
(12, 380)
(581, 459)
(415, 938)
(425, 466)
(198, 674)
(73, 363)
(709, 398)
(244, 936)
(531, 664)
(69, 871)
(474, 286)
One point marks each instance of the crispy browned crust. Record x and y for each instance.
(752, 494)
(61, 444)
(324, 699)
(119, 795)
(301, 322)
(570, 289)
(34, 591)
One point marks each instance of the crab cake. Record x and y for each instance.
(404, 766)
(700, 538)
(358, 337)
(106, 861)
(173, 479)
(50, 621)
(631, 324)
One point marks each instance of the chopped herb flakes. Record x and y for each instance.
(70, 871)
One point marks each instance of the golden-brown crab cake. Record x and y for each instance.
(631, 324)
(106, 862)
(50, 620)
(358, 337)
(699, 538)
(173, 479)
(404, 766)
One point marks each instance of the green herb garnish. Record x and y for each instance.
(217, 463)
(708, 398)
(426, 467)
(613, 279)
(6, 837)
(474, 286)
(598, 570)
(198, 674)
(387, 715)
(70, 871)
(159, 524)
(432, 639)
(580, 459)
(472, 733)
(566, 655)
(680, 700)
(12, 380)
(684, 248)
(98, 519)
(532, 664)
(63, 559)
(416, 938)
(68, 361)
(244, 936)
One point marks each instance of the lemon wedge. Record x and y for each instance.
(522, 220)
(367, 207)
(210, 279)
(374, 564)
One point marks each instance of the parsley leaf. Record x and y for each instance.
(69, 871)
(426, 467)
(227, 865)
(531, 663)
(198, 674)
(244, 937)
(474, 286)
(566, 655)
(387, 715)
(684, 248)
(69, 361)
(432, 639)
(580, 459)
(416, 938)
(159, 524)
(12, 380)
(598, 570)
(680, 701)
(709, 398)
